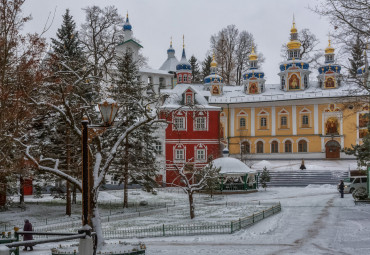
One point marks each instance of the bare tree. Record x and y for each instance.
(100, 34)
(232, 49)
(192, 180)
(20, 57)
(224, 44)
(350, 20)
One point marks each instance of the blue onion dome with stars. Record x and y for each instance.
(329, 61)
(127, 25)
(253, 70)
(213, 77)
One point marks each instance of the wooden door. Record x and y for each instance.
(332, 149)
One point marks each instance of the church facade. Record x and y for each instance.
(297, 118)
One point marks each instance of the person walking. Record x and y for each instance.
(341, 188)
(26, 237)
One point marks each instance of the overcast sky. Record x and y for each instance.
(155, 21)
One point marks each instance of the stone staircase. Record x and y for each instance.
(303, 178)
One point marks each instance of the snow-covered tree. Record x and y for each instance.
(137, 163)
(264, 178)
(357, 59)
(361, 151)
(100, 35)
(193, 180)
(20, 57)
(206, 66)
(195, 71)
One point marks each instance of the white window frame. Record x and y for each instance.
(189, 102)
(244, 126)
(201, 155)
(285, 118)
(185, 78)
(263, 122)
(179, 155)
(158, 147)
(305, 120)
(200, 123)
(179, 120)
(180, 78)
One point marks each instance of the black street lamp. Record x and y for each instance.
(108, 109)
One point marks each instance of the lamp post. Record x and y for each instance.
(108, 109)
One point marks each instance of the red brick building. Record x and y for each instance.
(193, 133)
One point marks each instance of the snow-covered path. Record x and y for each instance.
(313, 221)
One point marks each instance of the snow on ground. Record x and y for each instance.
(316, 165)
(314, 220)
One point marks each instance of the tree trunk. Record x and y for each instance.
(68, 199)
(68, 190)
(125, 177)
(21, 190)
(74, 191)
(96, 221)
(191, 205)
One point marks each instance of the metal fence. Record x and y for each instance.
(193, 229)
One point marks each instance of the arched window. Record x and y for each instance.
(245, 147)
(288, 146)
(242, 123)
(259, 147)
(274, 147)
(302, 146)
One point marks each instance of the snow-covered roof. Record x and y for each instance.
(231, 166)
(174, 99)
(235, 94)
(154, 71)
(170, 64)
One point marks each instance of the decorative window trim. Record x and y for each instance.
(302, 113)
(179, 114)
(263, 114)
(198, 148)
(242, 114)
(200, 114)
(179, 147)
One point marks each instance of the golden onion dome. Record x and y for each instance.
(253, 55)
(293, 44)
(329, 49)
(294, 29)
(213, 63)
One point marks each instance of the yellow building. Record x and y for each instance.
(312, 119)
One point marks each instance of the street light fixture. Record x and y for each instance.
(108, 109)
